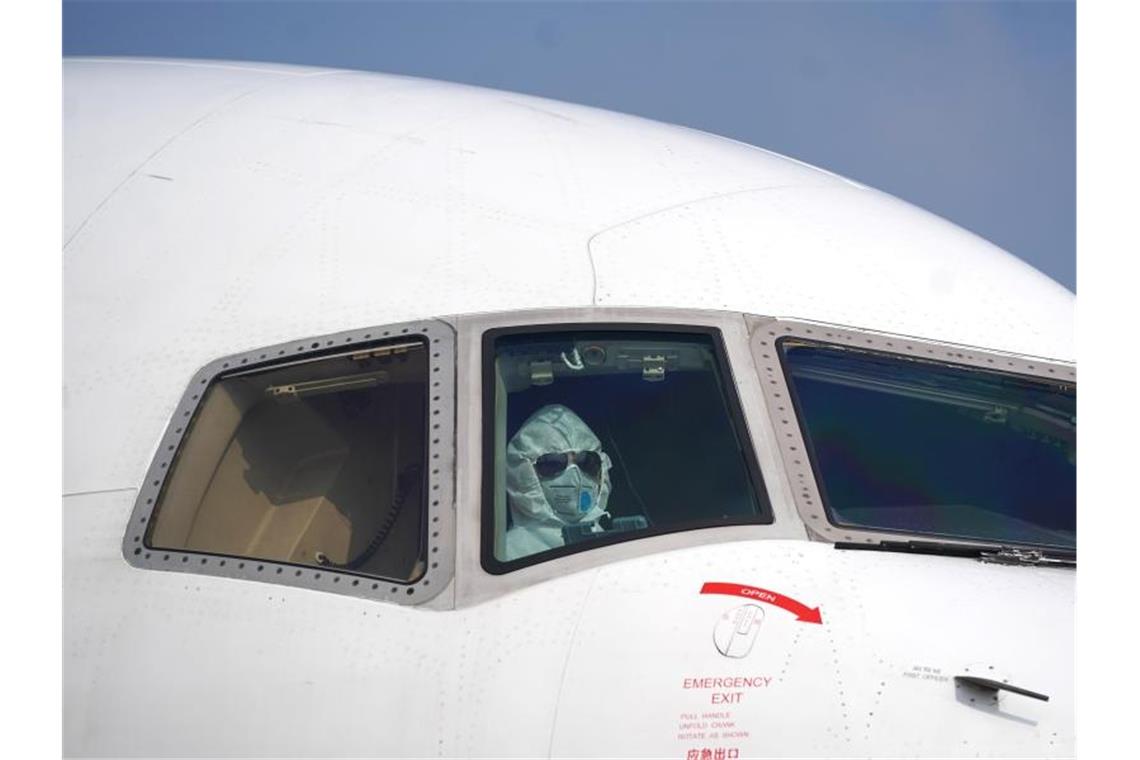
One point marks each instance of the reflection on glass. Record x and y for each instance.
(317, 463)
(607, 435)
(918, 447)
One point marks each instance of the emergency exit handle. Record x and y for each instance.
(991, 685)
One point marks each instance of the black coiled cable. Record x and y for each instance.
(406, 482)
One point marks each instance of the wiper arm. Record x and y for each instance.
(1001, 555)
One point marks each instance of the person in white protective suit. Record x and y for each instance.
(557, 475)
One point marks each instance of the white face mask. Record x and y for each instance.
(573, 495)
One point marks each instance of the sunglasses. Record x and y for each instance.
(550, 466)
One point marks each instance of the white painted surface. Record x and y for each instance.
(211, 208)
(382, 199)
(163, 663)
(836, 689)
(588, 665)
(843, 255)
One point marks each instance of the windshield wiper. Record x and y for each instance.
(1000, 555)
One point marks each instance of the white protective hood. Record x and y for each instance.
(537, 526)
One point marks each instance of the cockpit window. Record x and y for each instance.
(318, 463)
(598, 436)
(917, 447)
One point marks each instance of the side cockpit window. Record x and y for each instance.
(598, 436)
(927, 449)
(327, 468)
(319, 463)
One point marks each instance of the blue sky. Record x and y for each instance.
(964, 108)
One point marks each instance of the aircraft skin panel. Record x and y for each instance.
(171, 664)
(385, 171)
(796, 249)
(383, 199)
(876, 678)
(116, 124)
(214, 208)
(151, 658)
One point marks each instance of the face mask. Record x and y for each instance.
(572, 494)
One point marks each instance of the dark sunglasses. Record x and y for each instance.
(552, 465)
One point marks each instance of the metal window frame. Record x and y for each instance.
(439, 509)
(798, 463)
(473, 584)
(728, 387)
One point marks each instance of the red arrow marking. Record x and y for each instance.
(803, 613)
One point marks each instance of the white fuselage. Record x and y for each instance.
(215, 208)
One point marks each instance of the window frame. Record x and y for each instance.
(795, 452)
(494, 566)
(438, 528)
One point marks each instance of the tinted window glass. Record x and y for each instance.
(602, 436)
(317, 463)
(918, 447)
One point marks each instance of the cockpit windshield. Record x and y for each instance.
(600, 436)
(923, 448)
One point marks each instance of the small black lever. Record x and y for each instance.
(991, 685)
